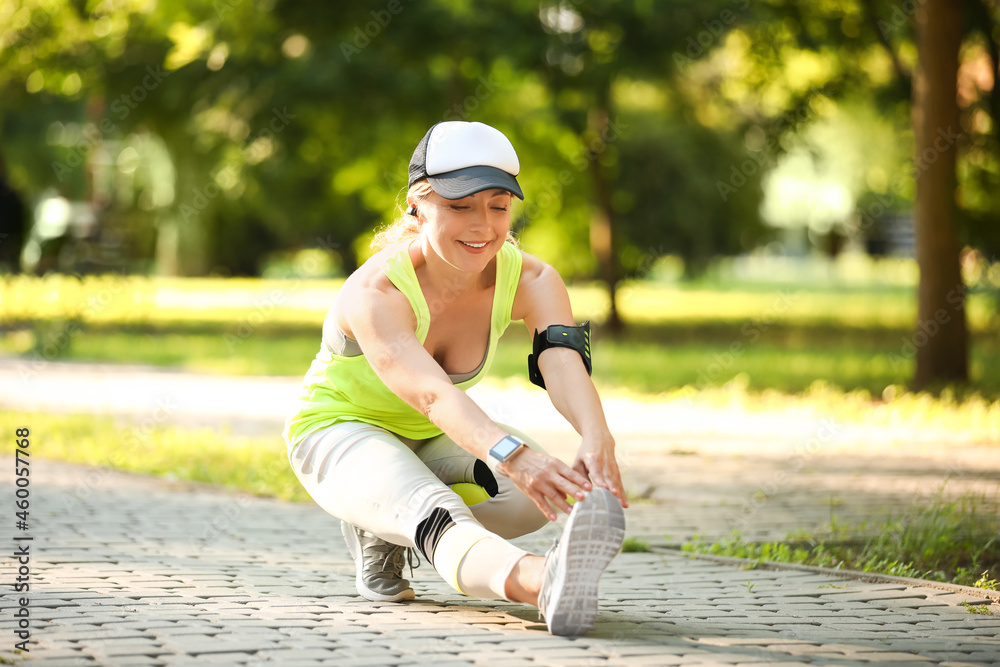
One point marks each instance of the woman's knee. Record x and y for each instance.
(510, 513)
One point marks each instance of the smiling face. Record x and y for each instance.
(466, 233)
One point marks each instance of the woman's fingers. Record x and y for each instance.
(603, 471)
(559, 500)
(544, 506)
(577, 477)
(549, 482)
(615, 477)
(552, 483)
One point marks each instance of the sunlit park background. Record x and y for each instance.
(768, 202)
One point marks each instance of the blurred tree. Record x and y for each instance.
(644, 128)
(796, 56)
(979, 101)
(285, 126)
(616, 71)
(12, 224)
(664, 206)
(943, 353)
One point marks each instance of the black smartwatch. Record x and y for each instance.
(504, 451)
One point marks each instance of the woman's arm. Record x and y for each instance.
(383, 323)
(543, 300)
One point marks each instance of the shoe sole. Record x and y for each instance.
(591, 539)
(354, 546)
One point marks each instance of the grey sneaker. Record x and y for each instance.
(573, 566)
(379, 565)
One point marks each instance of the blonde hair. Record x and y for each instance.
(405, 226)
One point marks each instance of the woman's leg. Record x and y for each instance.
(509, 512)
(365, 476)
(564, 584)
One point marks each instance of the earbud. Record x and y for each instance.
(411, 211)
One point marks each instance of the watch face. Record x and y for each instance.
(505, 448)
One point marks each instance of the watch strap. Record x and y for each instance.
(493, 462)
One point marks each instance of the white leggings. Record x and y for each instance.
(389, 486)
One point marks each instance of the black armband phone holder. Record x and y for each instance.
(557, 335)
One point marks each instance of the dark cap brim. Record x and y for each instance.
(464, 182)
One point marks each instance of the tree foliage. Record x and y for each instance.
(288, 125)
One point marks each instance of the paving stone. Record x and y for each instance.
(81, 661)
(130, 660)
(126, 583)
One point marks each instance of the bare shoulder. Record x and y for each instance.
(539, 283)
(531, 267)
(367, 291)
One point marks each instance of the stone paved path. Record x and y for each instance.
(129, 570)
(708, 470)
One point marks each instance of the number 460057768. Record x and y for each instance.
(21, 455)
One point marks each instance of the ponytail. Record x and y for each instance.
(405, 226)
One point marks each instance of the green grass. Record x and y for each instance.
(257, 465)
(635, 545)
(841, 348)
(845, 373)
(227, 302)
(977, 609)
(949, 540)
(773, 336)
(955, 541)
(651, 359)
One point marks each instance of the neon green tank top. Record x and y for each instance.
(345, 389)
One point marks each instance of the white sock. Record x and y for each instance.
(474, 561)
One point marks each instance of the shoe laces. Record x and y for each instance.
(389, 558)
(398, 556)
(411, 555)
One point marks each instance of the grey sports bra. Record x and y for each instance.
(337, 342)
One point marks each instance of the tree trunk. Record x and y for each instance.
(182, 233)
(602, 236)
(941, 338)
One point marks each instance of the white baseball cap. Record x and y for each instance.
(460, 158)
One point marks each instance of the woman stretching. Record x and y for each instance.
(384, 427)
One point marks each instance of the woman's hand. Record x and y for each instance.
(546, 480)
(596, 460)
